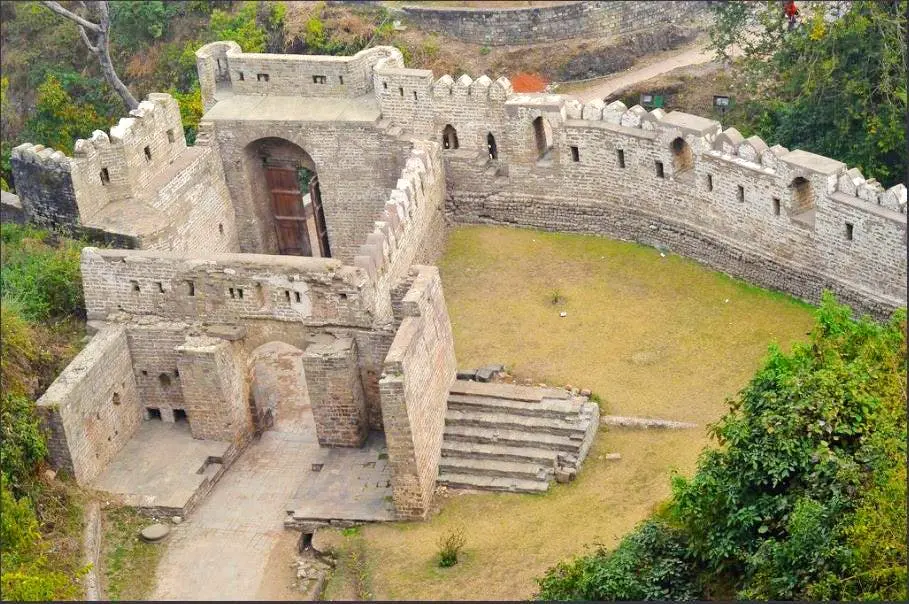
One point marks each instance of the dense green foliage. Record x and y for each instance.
(41, 293)
(836, 85)
(803, 499)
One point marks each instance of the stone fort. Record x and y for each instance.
(291, 247)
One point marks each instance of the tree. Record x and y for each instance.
(97, 38)
(836, 85)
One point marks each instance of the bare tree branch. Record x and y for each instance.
(54, 6)
(98, 42)
(93, 49)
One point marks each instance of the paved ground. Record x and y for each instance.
(232, 543)
(159, 466)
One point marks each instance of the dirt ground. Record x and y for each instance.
(653, 336)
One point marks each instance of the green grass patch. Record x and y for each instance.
(128, 563)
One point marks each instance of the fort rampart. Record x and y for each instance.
(547, 23)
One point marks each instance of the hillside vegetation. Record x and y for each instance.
(803, 497)
(41, 320)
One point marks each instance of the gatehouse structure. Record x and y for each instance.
(291, 247)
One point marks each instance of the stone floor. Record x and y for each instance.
(222, 551)
(161, 466)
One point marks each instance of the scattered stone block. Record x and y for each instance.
(484, 374)
(586, 392)
(154, 532)
(613, 456)
(467, 374)
(176, 519)
(563, 314)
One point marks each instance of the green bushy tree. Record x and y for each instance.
(835, 86)
(803, 499)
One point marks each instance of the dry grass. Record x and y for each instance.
(653, 336)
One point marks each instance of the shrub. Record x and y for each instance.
(40, 276)
(649, 564)
(450, 545)
(804, 498)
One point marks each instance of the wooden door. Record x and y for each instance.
(315, 195)
(289, 214)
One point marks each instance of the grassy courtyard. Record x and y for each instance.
(653, 336)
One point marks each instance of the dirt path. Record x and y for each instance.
(645, 70)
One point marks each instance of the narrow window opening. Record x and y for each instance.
(621, 156)
(287, 294)
(240, 292)
(659, 170)
(176, 372)
(776, 206)
(682, 156)
(232, 293)
(384, 85)
(449, 137)
(341, 80)
(297, 297)
(147, 153)
(240, 75)
(849, 231)
(180, 415)
(414, 95)
(152, 413)
(170, 136)
(542, 133)
(741, 193)
(401, 90)
(105, 176)
(135, 285)
(491, 146)
(343, 297)
(160, 286)
(164, 380)
(144, 372)
(115, 399)
(220, 228)
(262, 77)
(319, 79)
(575, 154)
(710, 182)
(190, 288)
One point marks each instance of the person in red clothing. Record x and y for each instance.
(791, 12)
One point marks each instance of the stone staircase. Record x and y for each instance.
(505, 437)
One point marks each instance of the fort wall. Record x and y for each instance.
(540, 24)
(223, 65)
(418, 372)
(92, 408)
(674, 180)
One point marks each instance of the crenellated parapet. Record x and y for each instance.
(390, 248)
(44, 184)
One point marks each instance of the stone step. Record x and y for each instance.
(492, 483)
(553, 408)
(510, 421)
(514, 392)
(493, 467)
(519, 438)
(471, 450)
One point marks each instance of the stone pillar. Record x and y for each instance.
(213, 389)
(336, 393)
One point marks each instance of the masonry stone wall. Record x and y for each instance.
(336, 392)
(152, 348)
(229, 288)
(140, 185)
(215, 392)
(736, 193)
(419, 370)
(540, 24)
(356, 165)
(93, 407)
(224, 65)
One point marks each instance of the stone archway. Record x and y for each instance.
(285, 184)
(279, 397)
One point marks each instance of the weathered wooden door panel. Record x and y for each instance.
(288, 210)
